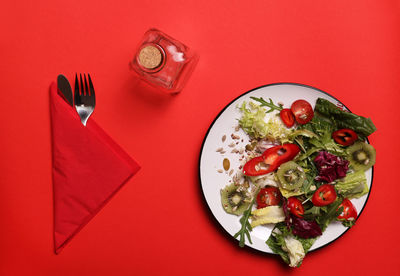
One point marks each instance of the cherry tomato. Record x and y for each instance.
(295, 207)
(287, 117)
(324, 195)
(302, 111)
(271, 159)
(349, 211)
(345, 136)
(268, 196)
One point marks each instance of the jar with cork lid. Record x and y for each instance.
(163, 61)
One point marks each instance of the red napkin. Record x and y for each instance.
(88, 169)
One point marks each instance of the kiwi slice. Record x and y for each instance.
(235, 199)
(361, 156)
(291, 175)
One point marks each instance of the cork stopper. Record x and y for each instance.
(150, 57)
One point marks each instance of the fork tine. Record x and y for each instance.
(91, 86)
(86, 86)
(77, 97)
(81, 85)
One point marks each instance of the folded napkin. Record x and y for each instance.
(88, 169)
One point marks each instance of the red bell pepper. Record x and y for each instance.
(270, 160)
(345, 136)
(324, 195)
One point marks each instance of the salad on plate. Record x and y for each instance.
(300, 171)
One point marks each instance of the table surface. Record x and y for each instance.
(158, 223)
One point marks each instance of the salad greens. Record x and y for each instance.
(354, 185)
(269, 104)
(270, 214)
(246, 227)
(254, 124)
(322, 161)
(343, 119)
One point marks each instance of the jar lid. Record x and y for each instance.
(150, 57)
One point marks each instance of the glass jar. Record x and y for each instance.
(163, 61)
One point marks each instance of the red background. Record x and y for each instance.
(159, 223)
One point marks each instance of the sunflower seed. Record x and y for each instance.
(226, 164)
(235, 137)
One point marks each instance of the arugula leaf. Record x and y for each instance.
(308, 182)
(302, 132)
(348, 223)
(332, 212)
(322, 129)
(269, 104)
(325, 142)
(313, 212)
(345, 119)
(308, 153)
(319, 124)
(246, 226)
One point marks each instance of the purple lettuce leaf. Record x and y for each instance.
(300, 227)
(330, 167)
(304, 228)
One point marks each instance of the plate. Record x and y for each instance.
(212, 180)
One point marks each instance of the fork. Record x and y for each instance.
(84, 97)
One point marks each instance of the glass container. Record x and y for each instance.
(163, 61)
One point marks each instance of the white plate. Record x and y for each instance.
(210, 161)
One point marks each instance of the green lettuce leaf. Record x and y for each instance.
(344, 119)
(322, 129)
(277, 239)
(252, 120)
(253, 123)
(307, 243)
(276, 242)
(354, 185)
(319, 125)
(325, 142)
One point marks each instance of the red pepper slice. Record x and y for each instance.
(287, 117)
(324, 195)
(345, 136)
(295, 206)
(270, 160)
(250, 167)
(349, 211)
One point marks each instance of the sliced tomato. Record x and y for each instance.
(268, 196)
(345, 136)
(324, 195)
(270, 160)
(349, 211)
(287, 117)
(302, 111)
(295, 206)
